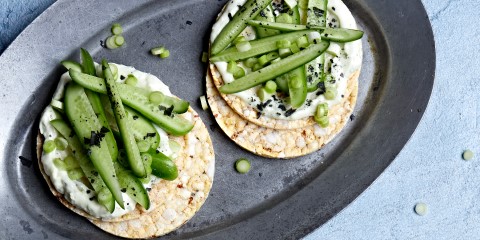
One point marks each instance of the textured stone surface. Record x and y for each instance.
(430, 168)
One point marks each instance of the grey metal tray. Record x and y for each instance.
(277, 199)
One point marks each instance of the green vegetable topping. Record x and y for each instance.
(250, 62)
(131, 80)
(330, 93)
(75, 174)
(59, 163)
(284, 18)
(157, 50)
(119, 40)
(242, 165)
(49, 146)
(284, 43)
(117, 29)
(321, 115)
(204, 57)
(165, 54)
(271, 87)
(203, 103)
(156, 97)
(467, 155)
(61, 143)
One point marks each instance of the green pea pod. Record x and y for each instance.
(163, 167)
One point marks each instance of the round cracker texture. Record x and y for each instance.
(250, 113)
(276, 143)
(174, 202)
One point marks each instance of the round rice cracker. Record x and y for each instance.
(194, 171)
(251, 114)
(281, 143)
(175, 202)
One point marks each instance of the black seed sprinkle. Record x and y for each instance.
(189, 22)
(135, 117)
(352, 117)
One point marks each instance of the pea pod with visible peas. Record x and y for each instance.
(275, 69)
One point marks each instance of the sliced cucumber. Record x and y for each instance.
(315, 68)
(132, 186)
(137, 100)
(275, 69)
(133, 155)
(259, 47)
(88, 127)
(266, 15)
(57, 105)
(317, 13)
(84, 162)
(72, 65)
(99, 111)
(248, 11)
(142, 129)
(282, 83)
(341, 34)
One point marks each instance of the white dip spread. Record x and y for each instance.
(348, 60)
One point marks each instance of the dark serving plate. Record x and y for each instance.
(277, 199)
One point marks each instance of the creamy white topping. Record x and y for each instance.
(75, 191)
(348, 61)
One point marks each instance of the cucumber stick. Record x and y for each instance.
(99, 111)
(298, 94)
(131, 148)
(71, 64)
(314, 68)
(85, 164)
(88, 127)
(97, 84)
(317, 13)
(142, 129)
(248, 11)
(258, 47)
(171, 123)
(268, 16)
(162, 166)
(275, 69)
(88, 66)
(132, 186)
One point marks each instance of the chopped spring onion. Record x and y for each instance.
(71, 162)
(284, 52)
(119, 40)
(263, 94)
(239, 39)
(61, 143)
(294, 48)
(243, 46)
(263, 60)
(322, 110)
(276, 60)
(57, 105)
(59, 163)
(117, 29)
(302, 42)
(250, 62)
(114, 70)
(49, 146)
(294, 82)
(165, 54)
(284, 18)
(156, 97)
(157, 50)
(312, 36)
(467, 155)
(131, 80)
(242, 165)
(143, 146)
(271, 87)
(232, 67)
(323, 121)
(273, 55)
(421, 209)
(147, 179)
(75, 174)
(110, 43)
(284, 43)
(240, 72)
(204, 57)
(257, 66)
(330, 93)
(203, 102)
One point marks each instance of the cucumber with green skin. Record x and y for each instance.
(275, 69)
(248, 11)
(317, 13)
(258, 47)
(132, 186)
(298, 94)
(315, 68)
(83, 161)
(268, 16)
(133, 154)
(97, 84)
(136, 99)
(73, 65)
(142, 129)
(89, 128)
(88, 66)
(99, 111)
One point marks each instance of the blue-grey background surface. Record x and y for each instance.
(430, 168)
